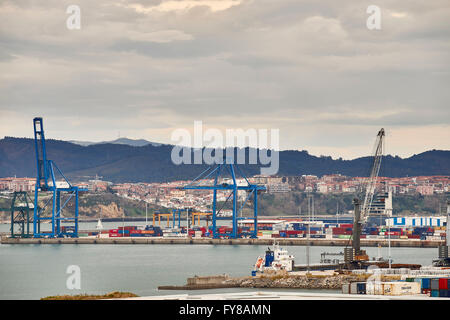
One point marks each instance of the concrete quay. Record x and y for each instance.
(202, 241)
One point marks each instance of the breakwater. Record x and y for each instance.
(331, 281)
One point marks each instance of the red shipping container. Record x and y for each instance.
(114, 230)
(338, 230)
(346, 225)
(443, 283)
(392, 233)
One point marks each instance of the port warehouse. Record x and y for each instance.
(426, 281)
(431, 229)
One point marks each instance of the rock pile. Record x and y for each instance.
(295, 281)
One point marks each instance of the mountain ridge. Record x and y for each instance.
(123, 140)
(152, 163)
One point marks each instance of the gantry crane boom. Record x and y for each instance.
(372, 180)
(41, 155)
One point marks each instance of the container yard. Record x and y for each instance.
(429, 286)
(278, 229)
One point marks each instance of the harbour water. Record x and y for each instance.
(35, 271)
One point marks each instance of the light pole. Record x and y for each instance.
(123, 223)
(309, 232)
(337, 212)
(145, 213)
(389, 242)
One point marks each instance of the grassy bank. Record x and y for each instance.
(111, 295)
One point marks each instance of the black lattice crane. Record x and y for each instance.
(372, 180)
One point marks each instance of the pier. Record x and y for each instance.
(242, 241)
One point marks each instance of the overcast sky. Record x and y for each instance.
(141, 69)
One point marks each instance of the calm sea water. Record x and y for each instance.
(35, 271)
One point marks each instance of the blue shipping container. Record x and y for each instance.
(361, 288)
(443, 293)
(426, 283)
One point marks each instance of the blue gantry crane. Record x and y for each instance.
(46, 182)
(233, 187)
(20, 214)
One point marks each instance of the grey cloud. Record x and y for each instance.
(264, 62)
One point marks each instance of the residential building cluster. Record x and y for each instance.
(17, 184)
(171, 194)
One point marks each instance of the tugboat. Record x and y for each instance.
(276, 259)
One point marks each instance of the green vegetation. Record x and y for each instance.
(108, 205)
(111, 205)
(289, 203)
(93, 205)
(123, 163)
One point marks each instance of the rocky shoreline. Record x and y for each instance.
(287, 281)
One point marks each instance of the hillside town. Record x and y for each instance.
(171, 195)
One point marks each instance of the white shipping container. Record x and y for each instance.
(279, 226)
(353, 288)
(401, 288)
(198, 234)
(374, 288)
(346, 288)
